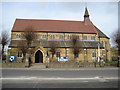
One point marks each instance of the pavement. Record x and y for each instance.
(81, 68)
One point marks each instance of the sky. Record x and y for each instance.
(103, 14)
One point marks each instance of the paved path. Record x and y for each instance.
(82, 68)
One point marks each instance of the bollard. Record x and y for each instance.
(95, 64)
(118, 63)
(26, 63)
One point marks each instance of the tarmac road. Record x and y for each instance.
(60, 78)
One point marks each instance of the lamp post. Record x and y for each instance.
(6, 55)
(84, 55)
(98, 59)
(48, 61)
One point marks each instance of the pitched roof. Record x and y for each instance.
(101, 34)
(54, 26)
(59, 44)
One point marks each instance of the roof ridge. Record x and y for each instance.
(101, 34)
(46, 25)
(49, 20)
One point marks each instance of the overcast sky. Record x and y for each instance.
(103, 14)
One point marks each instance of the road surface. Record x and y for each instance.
(58, 78)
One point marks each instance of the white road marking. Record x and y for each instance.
(37, 78)
(84, 81)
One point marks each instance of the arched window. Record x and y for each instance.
(36, 36)
(17, 35)
(77, 37)
(93, 54)
(19, 54)
(61, 37)
(58, 54)
(69, 37)
(92, 37)
(44, 36)
(85, 52)
(84, 37)
(103, 43)
(52, 37)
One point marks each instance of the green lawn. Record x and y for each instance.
(112, 63)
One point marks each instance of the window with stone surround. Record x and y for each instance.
(17, 35)
(68, 36)
(94, 54)
(52, 37)
(19, 54)
(36, 36)
(61, 37)
(58, 54)
(44, 36)
(84, 37)
(78, 37)
(92, 37)
(85, 52)
(103, 43)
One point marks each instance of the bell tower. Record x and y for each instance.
(86, 15)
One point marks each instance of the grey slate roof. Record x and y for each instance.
(60, 44)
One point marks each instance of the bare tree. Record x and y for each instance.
(53, 48)
(24, 46)
(76, 44)
(29, 35)
(4, 40)
(116, 39)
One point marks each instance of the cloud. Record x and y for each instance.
(103, 15)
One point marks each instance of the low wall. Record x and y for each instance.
(57, 65)
(62, 65)
(75, 65)
(13, 65)
(0, 65)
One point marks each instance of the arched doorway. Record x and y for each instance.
(38, 57)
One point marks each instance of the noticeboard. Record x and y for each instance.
(62, 59)
(12, 58)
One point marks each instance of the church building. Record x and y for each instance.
(93, 42)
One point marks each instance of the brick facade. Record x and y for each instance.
(90, 35)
